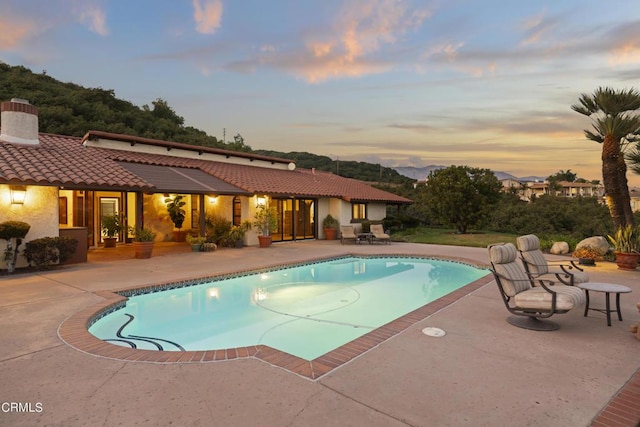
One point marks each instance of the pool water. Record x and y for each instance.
(305, 310)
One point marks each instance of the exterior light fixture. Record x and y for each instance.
(213, 199)
(18, 192)
(261, 200)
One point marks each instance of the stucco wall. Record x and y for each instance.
(191, 154)
(40, 211)
(376, 211)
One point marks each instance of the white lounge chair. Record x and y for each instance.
(348, 233)
(379, 234)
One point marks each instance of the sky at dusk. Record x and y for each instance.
(398, 82)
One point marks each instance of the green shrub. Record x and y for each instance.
(43, 252)
(142, 234)
(579, 217)
(13, 229)
(218, 229)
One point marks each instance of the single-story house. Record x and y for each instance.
(56, 183)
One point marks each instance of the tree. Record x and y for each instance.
(563, 176)
(461, 196)
(162, 110)
(616, 124)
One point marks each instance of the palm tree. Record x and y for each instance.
(616, 124)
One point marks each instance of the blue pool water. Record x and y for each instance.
(305, 310)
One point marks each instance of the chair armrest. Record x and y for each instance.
(553, 293)
(565, 266)
(546, 286)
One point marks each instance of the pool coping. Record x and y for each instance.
(74, 330)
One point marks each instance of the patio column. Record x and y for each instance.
(139, 210)
(203, 219)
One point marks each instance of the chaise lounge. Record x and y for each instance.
(379, 234)
(347, 233)
(526, 299)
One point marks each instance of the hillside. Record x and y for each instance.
(351, 169)
(70, 109)
(421, 174)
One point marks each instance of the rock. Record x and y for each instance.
(559, 248)
(598, 242)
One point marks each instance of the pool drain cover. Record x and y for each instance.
(433, 332)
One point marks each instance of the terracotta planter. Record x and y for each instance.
(143, 249)
(627, 261)
(265, 241)
(109, 242)
(330, 233)
(179, 235)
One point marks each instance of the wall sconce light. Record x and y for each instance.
(213, 199)
(18, 192)
(261, 200)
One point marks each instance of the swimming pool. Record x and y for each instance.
(304, 310)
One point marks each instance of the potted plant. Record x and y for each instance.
(177, 215)
(13, 232)
(143, 241)
(196, 242)
(265, 221)
(626, 243)
(330, 225)
(587, 255)
(235, 236)
(111, 226)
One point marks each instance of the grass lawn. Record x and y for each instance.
(440, 236)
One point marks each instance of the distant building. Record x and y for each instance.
(529, 190)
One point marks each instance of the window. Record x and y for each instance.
(359, 211)
(237, 211)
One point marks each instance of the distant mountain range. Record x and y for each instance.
(422, 173)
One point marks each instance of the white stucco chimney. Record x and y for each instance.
(19, 122)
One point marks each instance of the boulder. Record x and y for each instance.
(559, 248)
(598, 242)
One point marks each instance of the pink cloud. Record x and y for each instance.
(360, 30)
(15, 31)
(93, 18)
(207, 15)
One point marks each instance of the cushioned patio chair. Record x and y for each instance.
(537, 265)
(379, 234)
(529, 303)
(348, 233)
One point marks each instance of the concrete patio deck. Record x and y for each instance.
(483, 372)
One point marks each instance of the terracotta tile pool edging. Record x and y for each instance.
(74, 331)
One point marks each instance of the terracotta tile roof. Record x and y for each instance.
(278, 182)
(61, 160)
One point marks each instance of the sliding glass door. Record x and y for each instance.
(296, 219)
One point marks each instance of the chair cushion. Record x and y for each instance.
(535, 261)
(378, 231)
(502, 253)
(568, 297)
(529, 246)
(530, 242)
(347, 231)
(511, 274)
